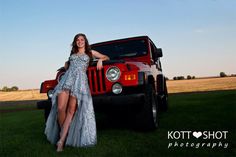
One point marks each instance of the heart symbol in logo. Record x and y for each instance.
(197, 134)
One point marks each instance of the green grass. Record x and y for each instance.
(21, 133)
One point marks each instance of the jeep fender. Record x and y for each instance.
(145, 78)
(151, 81)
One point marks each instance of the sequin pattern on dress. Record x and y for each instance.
(82, 131)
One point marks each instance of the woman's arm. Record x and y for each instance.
(101, 57)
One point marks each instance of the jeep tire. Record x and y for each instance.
(147, 118)
(164, 99)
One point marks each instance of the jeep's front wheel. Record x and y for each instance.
(147, 118)
(164, 99)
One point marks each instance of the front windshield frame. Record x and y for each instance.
(123, 48)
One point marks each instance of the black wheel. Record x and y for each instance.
(164, 99)
(147, 118)
(162, 93)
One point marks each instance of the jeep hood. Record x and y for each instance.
(140, 65)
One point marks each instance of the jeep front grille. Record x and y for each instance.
(96, 79)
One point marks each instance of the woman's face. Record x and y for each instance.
(80, 42)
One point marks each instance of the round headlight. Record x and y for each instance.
(113, 74)
(50, 93)
(116, 88)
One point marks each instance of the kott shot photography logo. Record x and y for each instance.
(197, 139)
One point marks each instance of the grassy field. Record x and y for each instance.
(21, 132)
(32, 94)
(205, 84)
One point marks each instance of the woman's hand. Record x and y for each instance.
(101, 59)
(99, 64)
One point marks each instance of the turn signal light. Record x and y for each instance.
(130, 77)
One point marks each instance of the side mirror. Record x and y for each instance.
(157, 53)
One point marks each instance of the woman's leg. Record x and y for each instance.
(69, 115)
(62, 105)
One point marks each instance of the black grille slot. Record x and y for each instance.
(96, 80)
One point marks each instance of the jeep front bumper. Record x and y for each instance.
(120, 101)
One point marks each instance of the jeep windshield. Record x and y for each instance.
(123, 49)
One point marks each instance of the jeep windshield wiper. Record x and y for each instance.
(128, 55)
(107, 62)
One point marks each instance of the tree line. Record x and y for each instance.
(7, 89)
(222, 74)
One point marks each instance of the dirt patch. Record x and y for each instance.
(17, 110)
(13, 106)
(18, 103)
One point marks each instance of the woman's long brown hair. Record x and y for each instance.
(75, 47)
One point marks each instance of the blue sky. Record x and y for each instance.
(197, 36)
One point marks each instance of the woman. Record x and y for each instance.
(72, 106)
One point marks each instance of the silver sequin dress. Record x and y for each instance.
(82, 131)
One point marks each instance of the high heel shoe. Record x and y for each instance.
(59, 146)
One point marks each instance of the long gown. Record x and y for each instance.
(82, 130)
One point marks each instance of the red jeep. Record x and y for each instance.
(132, 79)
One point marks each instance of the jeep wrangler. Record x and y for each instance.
(132, 78)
